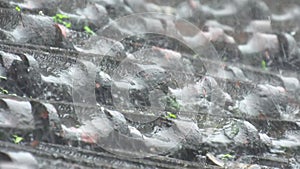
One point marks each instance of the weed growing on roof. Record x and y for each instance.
(67, 24)
(59, 16)
(3, 91)
(18, 9)
(227, 157)
(172, 104)
(17, 139)
(61, 19)
(263, 64)
(171, 115)
(88, 30)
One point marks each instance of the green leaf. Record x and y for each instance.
(88, 30)
(227, 156)
(263, 64)
(172, 102)
(3, 91)
(17, 139)
(17, 8)
(171, 115)
(61, 16)
(67, 24)
(55, 19)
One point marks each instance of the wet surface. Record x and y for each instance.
(193, 84)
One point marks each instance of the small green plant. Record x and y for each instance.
(60, 18)
(227, 157)
(263, 64)
(17, 139)
(171, 115)
(67, 24)
(88, 30)
(172, 104)
(3, 91)
(18, 9)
